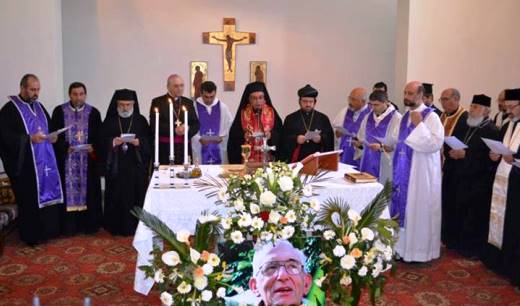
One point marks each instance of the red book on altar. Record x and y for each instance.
(320, 160)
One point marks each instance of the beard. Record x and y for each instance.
(125, 114)
(474, 121)
(409, 103)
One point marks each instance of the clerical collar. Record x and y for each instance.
(172, 97)
(79, 109)
(453, 113)
(360, 110)
(307, 113)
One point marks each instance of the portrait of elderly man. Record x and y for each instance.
(279, 277)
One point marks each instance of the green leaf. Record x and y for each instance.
(373, 211)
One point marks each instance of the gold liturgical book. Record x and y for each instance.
(361, 177)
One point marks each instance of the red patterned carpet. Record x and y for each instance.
(63, 271)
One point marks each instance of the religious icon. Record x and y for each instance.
(229, 38)
(258, 71)
(198, 75)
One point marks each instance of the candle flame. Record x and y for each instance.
(184, 108)
(156, 110)
(170, 100)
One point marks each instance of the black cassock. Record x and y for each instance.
(450, 182)
(162, 104)
(36, 224)
(298, 123)
(125, 172)
(506, 261)
(472, 199)
(87, 221)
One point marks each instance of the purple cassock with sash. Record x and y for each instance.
(347, 157)
(210, 126)
(371, 159)
(76, 162)
(402, 165)
(48, 182)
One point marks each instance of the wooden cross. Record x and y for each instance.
(229, 38)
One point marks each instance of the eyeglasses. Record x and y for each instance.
(292, 267)
(444, 99)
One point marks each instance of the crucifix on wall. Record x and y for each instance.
(229, 38)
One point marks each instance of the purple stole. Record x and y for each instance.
(347, 157)
(76, 163)
(209, 126)
(402, 165)
(48, 182)
(372, 159)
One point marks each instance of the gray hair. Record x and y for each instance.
(455, 93)
(266, 248)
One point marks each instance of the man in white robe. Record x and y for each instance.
(210, 143)
(375, 132)
(417, 179)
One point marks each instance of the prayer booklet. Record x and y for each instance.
(311, 134)
(128, 137)
(454, 143)
(344, 131)
(497, 147)
(81, 147)
(58, 132)
(361, 177)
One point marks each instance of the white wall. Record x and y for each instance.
(472, 45)
(30, 32)
(335, 45)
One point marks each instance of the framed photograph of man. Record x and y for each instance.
(258, 71)
(198, 74)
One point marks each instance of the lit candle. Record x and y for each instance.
(186, 127)
(172, 154)
(156, 161)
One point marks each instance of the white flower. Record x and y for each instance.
(315, 204)
(247, 177)
(200, 282)
(207, 268)
(354, 216)
(267, 198)
(319, 281)
(259, 181)
(226, 223)
(183, 236)
(388, 253)
(158, 276)
(222, 194)
(239, 204)
(336, 219)
(184, 288)
(257, 223)
(255, 209)
(173, 275)
(286, 183)
(166, 299)
(296, 169)
(237, 237)
(213, 260)
(353, 238)
(221, 292)
(209, 218)
(171, 258)
(307, 190)
(367, 234)
(287, 232)
(328, 234)
(245, 220)
(363, 271)
(380, 246)
(238, 290)
(347, 262)
(206, 295)
(266, 236)
(291, 216)
(345, 280)
(378, 267)
(274, 217)
(339, 251)
(194, 255)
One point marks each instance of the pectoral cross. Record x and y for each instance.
(402, 153)
(47, 169)
(229, 38)
(349, 141)
(210, 133)
(79, 136)
(178, 123)
(211, 160)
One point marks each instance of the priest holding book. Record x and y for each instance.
(307, 130)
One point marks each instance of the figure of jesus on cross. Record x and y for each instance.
(229, 38)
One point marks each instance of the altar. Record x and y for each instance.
(180, 207)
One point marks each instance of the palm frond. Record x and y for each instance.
(211, 185)
(320, 177)
(161, 229)
(331, 206)
(373, 211)
(206, 234)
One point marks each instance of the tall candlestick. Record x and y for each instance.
(172, 154)
(156, 161)
(186, 127)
